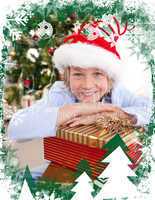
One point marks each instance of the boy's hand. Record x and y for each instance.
(82, 120)
(70, 111)
(120, 115)
(88, 113)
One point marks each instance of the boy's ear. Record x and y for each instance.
(61, 76)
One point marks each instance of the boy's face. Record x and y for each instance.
(88, 85)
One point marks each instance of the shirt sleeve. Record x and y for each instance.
(141, 109)
(139, 106)
(38, 120)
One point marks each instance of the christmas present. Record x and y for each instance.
(59, 173)
(94, 135)
(69, 154)
(73, 144)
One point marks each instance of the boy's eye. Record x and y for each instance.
(98, 74)
(77, 74)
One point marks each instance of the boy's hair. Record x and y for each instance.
(67, 82)
(66, 77)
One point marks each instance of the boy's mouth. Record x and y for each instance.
(88, 94)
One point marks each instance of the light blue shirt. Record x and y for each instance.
(39, 120)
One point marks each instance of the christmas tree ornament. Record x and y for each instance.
(44, 63)
(12, 54)
(44, 30)
(32, 54)
(73, 16)
(35, 37)
(51, 51)
(46, 71)
(27, 83)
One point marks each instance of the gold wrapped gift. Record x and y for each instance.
(97, 134)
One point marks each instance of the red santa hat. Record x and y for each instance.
(91, 46)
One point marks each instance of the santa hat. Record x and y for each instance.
(91, 46)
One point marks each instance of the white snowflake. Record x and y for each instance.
(21, 17)
(15, 35)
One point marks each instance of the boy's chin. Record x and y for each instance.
(89, 100)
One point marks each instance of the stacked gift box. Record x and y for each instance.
(93, 136)
(71, 145)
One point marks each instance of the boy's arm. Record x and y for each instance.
(76, 111)
(118, 115)
(135, 110)
(38, 120)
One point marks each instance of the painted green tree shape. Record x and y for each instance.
(26, 192)
(28, 186)
(83, 188)
(83, 166)
(117, 172)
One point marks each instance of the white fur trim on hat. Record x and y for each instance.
(85, 56)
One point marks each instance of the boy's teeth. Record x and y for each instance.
(89, 93)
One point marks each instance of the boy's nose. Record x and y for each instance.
(88, 83)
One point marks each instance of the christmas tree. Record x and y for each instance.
(83, 188)
(117, 185)
(83, 166)
(25, 192)
(32, 35)
(29, 180)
